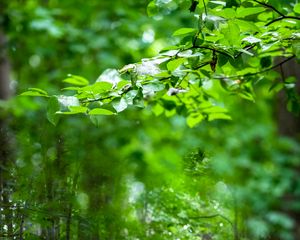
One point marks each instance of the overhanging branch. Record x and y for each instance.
(282, 16)
(256, 73)
(269, 6)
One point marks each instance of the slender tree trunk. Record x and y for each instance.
(289, 125)
(6, 214)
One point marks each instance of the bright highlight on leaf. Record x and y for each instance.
(111, 76)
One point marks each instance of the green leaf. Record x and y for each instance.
(35, 92)
(129, 96)
(218, 3)
(53, 107)
(78, 109)
(173, 64)
(194, 119)
(218, 115)
(232, 33)
(247, 95)
(168, 104)
(184, 31)
(67, 101)
(119, 104)
(110, 75)
(74, 110)
(97, 120)
(215, 109)
(153, 86)
(266, 62)
(100, 87)
(246, 26)
(297, 8)
(276, 86)
(76, 80)
(226, 13)
(152, 9)
(157, 109)
(100, 111)
(244, 12)
(138, 101)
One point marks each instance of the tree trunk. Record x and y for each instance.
(288, 123)
(289, 126)
(6, 215)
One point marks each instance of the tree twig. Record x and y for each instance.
(213, 216)
(269, 6)
(209, 48)
(259, 72)
(282, 17)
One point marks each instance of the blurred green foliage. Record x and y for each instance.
(140, 174)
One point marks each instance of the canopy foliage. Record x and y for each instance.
(230, 46)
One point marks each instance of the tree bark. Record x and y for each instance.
(289, 126)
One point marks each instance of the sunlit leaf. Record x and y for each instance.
(67, 101)
(154, 86)
(100, 111)
(173, 64)
(119, 104)
(297, 8)
(35, 92)
(243, 12)
(184, 31)
(218, 115)
(194, 119)
(76, 80)
(111, 76)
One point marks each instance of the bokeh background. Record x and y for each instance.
(135, 175)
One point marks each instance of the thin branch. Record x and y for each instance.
(248, 47)
(282, 73)
(209, 48)
(201, 65)
(213, 216)
(269, 6)
(282, 17)
(96, 99)
(209, 216)
(256, 73)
